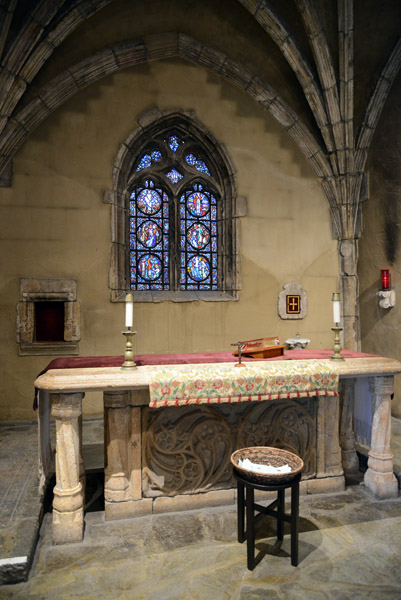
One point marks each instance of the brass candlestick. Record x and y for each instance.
(129, 350)
(337, 344)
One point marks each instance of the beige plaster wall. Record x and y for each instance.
(379, 247)
(55, 224)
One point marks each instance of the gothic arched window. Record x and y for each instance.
(179, 226)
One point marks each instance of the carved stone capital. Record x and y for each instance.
(383, 385)
(116, 399)
(66, 406)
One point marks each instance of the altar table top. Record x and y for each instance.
(108, 378)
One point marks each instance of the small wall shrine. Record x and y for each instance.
(292, 301)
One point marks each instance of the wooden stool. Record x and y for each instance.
(276, 509)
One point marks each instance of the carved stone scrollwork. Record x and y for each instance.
(288, 425)
(188, 449)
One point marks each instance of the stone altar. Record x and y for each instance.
(154, 465)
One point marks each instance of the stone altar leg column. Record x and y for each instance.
(68, 512)
(136, 453)
(117, 441)
(328, 451)
(379, 478)
(347, 438)
(82, 473)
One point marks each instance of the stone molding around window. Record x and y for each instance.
(151, 124)
(40, 290)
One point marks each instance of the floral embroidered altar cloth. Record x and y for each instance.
(180, 385)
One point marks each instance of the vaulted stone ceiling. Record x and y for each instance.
(322, 68)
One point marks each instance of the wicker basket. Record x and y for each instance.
(265, 455)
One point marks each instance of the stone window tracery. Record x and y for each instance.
(174, 211)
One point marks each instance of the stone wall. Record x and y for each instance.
(380, 242)
(56, 225)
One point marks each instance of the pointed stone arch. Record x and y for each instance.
(155, 47)
(155, 123)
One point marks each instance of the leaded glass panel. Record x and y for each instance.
(200, 165)
(174, 142)
(174, 175)
(169, 226)
(149, 237)
(148, 159)
(198, 239)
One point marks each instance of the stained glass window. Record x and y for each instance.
(174, 142)
(173, 218)
(198, 239)
(148, 159)
(200, 165)
(149, 237)
(174, 175)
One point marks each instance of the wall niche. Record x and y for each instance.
(48, 317)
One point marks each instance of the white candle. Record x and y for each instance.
(336, 308)
(129, 310)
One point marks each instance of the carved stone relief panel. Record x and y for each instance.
(188, 449)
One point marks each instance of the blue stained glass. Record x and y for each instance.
(156, 155)
(149, 201)
(150, 219)
(198, 204)
(198, 268)
(147, 160)
(149, 234)
(149, 270)
(200, 165)
(150, 267)
(174, 175)
(174, 142)
(198, 236)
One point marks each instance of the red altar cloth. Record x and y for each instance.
(82, 362)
